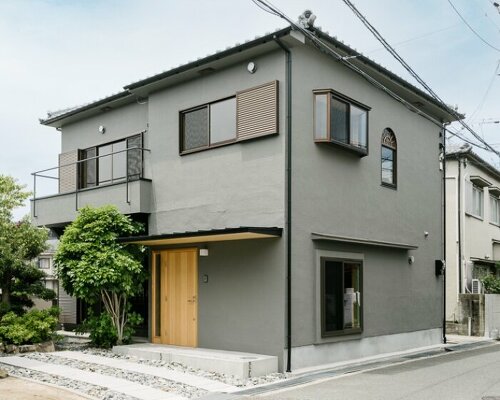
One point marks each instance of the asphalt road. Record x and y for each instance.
(464, 375)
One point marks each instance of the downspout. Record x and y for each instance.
(444, 227)
(288, 200)
(459, 225)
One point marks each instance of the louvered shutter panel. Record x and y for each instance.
(68, 171)
(257, 111)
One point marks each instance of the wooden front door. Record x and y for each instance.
(175, 297)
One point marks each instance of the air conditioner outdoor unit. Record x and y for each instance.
(476, 286)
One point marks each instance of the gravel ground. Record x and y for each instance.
(143, 379)
(98, 392)
(228, 379)
(103, 393)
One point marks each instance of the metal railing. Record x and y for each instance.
(77, 164)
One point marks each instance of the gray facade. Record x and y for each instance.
(339, 209)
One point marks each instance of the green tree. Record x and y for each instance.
(95, 267)
(20, 243)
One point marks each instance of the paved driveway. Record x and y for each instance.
(465, 375)
(20, 389)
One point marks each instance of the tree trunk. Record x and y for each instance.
(116, 308)
(6, 295)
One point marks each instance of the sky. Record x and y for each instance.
(59, 53)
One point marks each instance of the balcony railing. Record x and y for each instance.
(75, 177)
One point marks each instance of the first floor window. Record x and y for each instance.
(341, 297)
(494, 210)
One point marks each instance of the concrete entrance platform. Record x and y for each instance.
(241, 365)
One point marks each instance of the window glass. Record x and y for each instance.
(477, 201)
(89, 168)
(494, 210)
(119, 160)
(321, 116)
(44, 263)
(341, 296)
(387, 165)
(105, 163)
(358, 121)
(195, 133)
(223, 121)
(339, 121)
(134, 157)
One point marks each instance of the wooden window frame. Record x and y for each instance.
(340, 332)
(237, 139)
(210, 145)
(394, 149)
(362, 152)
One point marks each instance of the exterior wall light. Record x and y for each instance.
(102, 129)
(251, 67)
(204, 252)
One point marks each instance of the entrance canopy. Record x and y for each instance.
(214, 235)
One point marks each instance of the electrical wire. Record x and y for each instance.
(320, 45)
(325, 48)
(393, 52)
(472, 29)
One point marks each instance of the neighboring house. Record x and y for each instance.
(473, 236)
(245, 166)
(66, 303)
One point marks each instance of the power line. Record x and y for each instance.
(325, 48)
(472, 29)
(393, 52)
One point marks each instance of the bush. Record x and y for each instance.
(103, 333)
(491, 284)
(36, 326)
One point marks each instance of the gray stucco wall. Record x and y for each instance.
(241, 307)
(240, 184)
(336, 192)
(119, 123)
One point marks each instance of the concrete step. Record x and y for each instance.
(240, 365)
(161, 372)
(128, 388)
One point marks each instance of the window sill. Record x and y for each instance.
(474, 216)
(361, 152)
(495, 224)
(344, 332)
(389, 185)
(226, 143)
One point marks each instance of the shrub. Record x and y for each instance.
(35, 326)
(103, 332)
(491, 284)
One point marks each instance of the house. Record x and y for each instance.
(293, 208)
(66, 303)
(473, 237)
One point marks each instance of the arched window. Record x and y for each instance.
(389, 157)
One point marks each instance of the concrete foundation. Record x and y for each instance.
(241, 365)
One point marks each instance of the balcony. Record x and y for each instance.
(107, 175)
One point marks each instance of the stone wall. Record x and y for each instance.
(473, 306)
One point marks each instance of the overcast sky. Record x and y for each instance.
(60, 53)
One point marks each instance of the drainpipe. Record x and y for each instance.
(444, 227)
(288, 196)
(459, 225)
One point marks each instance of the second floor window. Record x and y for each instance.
(111, 163)
(248, 114)
(474, 201)
(340, 120)
(494, 210)
(388, 158)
